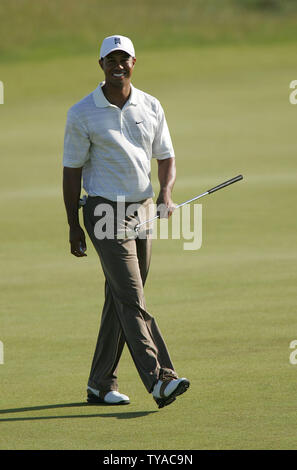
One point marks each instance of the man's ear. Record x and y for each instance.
(100, 62)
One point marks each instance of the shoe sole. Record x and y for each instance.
(180, 389)
(93, 400)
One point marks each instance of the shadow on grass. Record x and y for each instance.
(118, 415)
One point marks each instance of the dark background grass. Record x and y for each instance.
(34, 29)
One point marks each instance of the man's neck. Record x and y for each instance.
(117, 95)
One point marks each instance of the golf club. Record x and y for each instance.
(210, 191)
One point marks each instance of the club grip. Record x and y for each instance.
(226, 183)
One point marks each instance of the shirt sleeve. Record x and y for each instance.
(162, 147)
(76, 142)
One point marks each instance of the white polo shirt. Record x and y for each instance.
(115, 146)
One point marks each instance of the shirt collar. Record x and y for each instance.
(133, 96)
(102, 102)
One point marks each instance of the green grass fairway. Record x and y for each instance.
(227, 311)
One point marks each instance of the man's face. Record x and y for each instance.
(117, 67)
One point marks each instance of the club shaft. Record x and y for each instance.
(191, 200)
(176, 207)
(210, 191)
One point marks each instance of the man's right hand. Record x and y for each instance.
(77, 241)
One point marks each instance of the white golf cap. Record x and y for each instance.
(116, 43)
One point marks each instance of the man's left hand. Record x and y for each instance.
(165, 205)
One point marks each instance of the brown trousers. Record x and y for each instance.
(125, 263)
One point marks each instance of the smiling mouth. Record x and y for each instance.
(118, 75)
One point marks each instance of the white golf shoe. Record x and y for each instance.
(110, 398)
(166, 391)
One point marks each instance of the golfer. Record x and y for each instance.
(111, 136)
